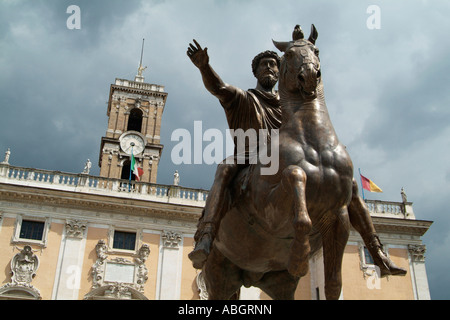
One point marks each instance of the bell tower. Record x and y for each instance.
(134, 113)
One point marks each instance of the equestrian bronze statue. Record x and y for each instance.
(274, 222)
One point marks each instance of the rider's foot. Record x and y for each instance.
(201, 251)
(387, 266)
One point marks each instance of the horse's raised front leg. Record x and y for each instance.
(294, 182)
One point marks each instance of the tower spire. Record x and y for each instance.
(139, 77)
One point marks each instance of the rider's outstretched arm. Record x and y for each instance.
(212, 81)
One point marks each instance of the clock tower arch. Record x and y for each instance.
(134, 113)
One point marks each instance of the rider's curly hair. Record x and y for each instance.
(267, 53)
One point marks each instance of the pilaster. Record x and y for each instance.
(169, 268)
(70, 261)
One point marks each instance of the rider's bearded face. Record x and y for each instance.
(267, 72)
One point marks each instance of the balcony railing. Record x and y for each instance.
(390, 209)
(98, 185)
(139, 85)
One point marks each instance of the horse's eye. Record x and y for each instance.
(316, 51)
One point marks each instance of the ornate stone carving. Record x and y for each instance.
(75, 229)
(417, 252)
(133, 274)
(138, 103)
(99, 265)
(143, 253)
(115, 291)
(23, 268)
(200, 281)
(171, 239)
(118, 290)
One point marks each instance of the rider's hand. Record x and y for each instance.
(198, 56)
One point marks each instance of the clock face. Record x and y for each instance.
(132, 143)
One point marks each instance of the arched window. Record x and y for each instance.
(126, 171)
(135, 120)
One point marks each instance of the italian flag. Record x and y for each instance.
(369, 185)
(138, 172)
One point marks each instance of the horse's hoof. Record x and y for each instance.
(201, 252)
(198, 258)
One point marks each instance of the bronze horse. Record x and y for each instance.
(267, 237)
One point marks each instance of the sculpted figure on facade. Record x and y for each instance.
(7, 155)
(24, 266)
(87, 167)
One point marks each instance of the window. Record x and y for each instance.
(33, 230)
(135, 120)
(124, 240)
(368, 257)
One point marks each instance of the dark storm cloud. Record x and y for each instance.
(386, 89)
(62, 80)
(413, 106)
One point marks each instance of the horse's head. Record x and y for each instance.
(300, 64)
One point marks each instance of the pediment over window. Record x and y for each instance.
(19, 292)
(116, 291)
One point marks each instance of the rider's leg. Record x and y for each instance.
(222, 278)
(279, 285)
(361, 220)
(213, 212)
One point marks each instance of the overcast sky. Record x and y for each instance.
(386, 89)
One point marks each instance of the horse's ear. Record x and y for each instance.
(314, 34)
(282, 46)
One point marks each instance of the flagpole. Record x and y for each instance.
(131, 162)
(362, 188)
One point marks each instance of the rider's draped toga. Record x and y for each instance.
(252, 109)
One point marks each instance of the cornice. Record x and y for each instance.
(401, 226)
(99, 203)
(139, 91)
